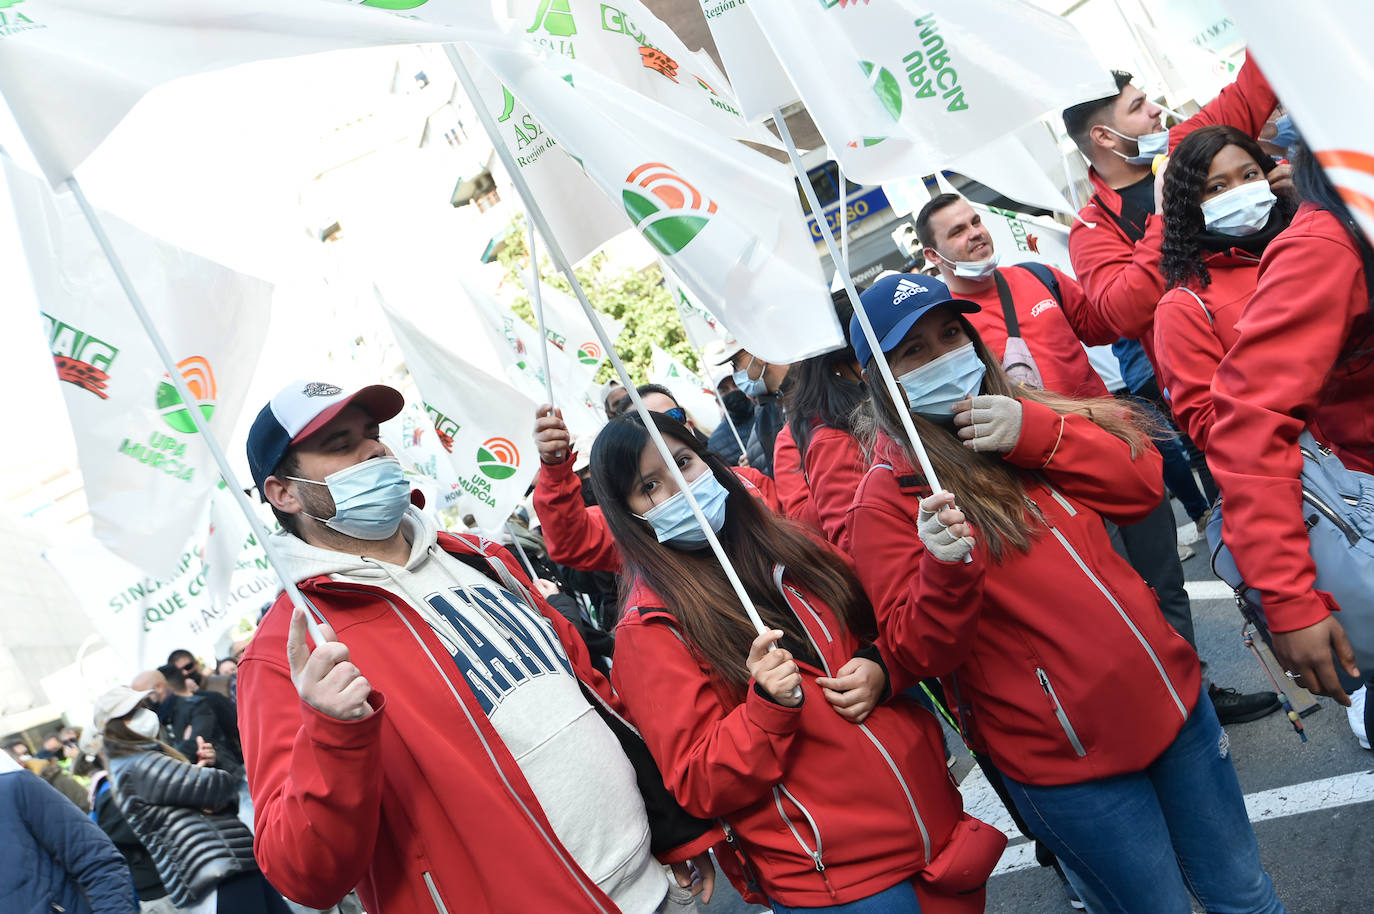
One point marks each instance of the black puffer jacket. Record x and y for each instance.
(164, 801)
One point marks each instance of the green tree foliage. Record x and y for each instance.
(639, 298)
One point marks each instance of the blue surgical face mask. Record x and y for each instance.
(934, 388)
(370, 498)
(1148, 145)
(1242, 210)
(976, 270)
(1287, 137)
(673, 521)
(752, 387)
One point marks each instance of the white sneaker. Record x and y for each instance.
(1188, 534)
(1185, 553)
(1354, 715)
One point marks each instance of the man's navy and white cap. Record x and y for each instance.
(302, 408)
(894, 304)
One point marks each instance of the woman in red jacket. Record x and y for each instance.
(1303, 358)
(1051, 647)
(826, 391)
(831, 800)
(1219, 216)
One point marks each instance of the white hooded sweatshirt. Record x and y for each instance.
(517, 669)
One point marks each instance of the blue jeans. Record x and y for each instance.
(900, 899)
(1141, 842)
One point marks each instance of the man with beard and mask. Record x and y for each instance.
(740, 410)
(762, 383)
(447, 740)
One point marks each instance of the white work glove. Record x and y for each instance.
(943, 529)
(989, 422)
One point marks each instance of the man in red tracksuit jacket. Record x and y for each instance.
(1115, 244)
(446, 745)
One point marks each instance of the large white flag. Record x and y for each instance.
(580, 216)
(145, 617)
(1008, 166)
(907, 86)
(1019, 238)
(483, 422)
(1314, 56)
(689, 389)
(421, 448)
(70, 70)
(148, 474)
(725, 217)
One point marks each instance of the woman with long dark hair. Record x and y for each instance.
(1303, 359)
(1051, 648)
(1219, 217)
(184, 813)
(830, 798)
(817, 462)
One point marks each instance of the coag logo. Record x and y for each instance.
(81, 359)
(667, 210)
(200, 380)
(498, 458)
(555, 18)
(589, 353)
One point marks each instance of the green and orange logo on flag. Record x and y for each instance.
(200, 380)
(498, 458)
(667, 210)
(589, 354)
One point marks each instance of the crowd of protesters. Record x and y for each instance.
(588, 720)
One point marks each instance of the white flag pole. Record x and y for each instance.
(537, 301)
(895, 392)
(520, 551)
(843, 214)
(202, 426)
(561, 264)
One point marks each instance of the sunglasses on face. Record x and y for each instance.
(677, 413)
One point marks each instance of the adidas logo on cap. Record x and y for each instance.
(905, 289)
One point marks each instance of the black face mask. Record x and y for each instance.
(737, 404)
(196, 677)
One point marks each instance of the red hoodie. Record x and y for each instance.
(824, 811)
(1191, 338)
(420, 806)
(577, 536)
(1120, 275)
(1059, 662)
(826, 482)
(1310, 312)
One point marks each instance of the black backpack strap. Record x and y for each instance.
(1008, 306)
(1047, 278)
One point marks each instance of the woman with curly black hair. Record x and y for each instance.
(1219, 216)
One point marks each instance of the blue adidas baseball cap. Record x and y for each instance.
(894, 304)
(302, 408)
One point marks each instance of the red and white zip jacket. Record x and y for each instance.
(1196, 327)
(1290, 368)
(1120, 276)
(577, 536)
(1059, 662)
(824, 811)
(420, 806)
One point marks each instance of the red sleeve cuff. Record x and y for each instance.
(770, 716)
(697, 846)
(324, 730)
(557, 472)
(1041, 430)
(1289, 615)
